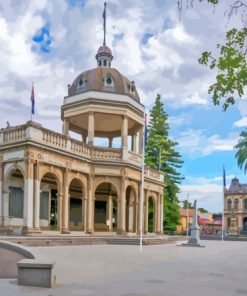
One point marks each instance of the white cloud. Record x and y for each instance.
(195, 143)
(208, 196)
(241, 122)
(195, 99)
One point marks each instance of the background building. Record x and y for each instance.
(235, 207)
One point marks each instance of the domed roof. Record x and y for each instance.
(105, 80)
(104, 50)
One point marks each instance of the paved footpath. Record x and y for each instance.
(219, 269)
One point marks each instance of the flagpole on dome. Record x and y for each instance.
(223, 217)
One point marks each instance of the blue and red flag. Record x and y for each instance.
(32, 100)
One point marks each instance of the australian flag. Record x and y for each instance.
(32, 100)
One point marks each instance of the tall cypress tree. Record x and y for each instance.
(161, 154)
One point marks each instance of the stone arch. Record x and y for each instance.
(131, 196)
(57, 175)
(151, 211)
(81, 178)
(106, 199)
(13, 207)
(76, 191)
(101, 180)
(9, 170)
(50, 199)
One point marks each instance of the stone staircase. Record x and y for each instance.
(33, 241)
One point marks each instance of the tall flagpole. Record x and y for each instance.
(223, 193)
(187, 214)
(142, 183)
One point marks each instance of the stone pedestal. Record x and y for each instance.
(194, 240)
(35, 273)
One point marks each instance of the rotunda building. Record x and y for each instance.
(51, 181)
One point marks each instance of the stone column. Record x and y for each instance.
(123, 208)
(90, 222)
(36, 197)
(146, 215)
(140, 140)
(110, 212)
(59, 211)
(28, 196)
(110, 142)
(65, 204)
(85, 206)
(66, 127)
(157, 215)
(133, 143)
(124, 133)
(5, 195)
(161, 213)
(91, 128)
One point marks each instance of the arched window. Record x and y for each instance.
(236, 204)
(229, 202)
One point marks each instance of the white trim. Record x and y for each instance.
(104, 96)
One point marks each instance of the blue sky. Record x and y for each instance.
(51, 42)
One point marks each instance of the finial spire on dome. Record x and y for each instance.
(104, 25)
(104, 54)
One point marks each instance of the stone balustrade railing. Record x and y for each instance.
(134, 158)
(35, 132)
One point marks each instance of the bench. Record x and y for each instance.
(32, 272)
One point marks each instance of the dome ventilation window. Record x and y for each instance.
(81, 83)
(132, 87)
(109, 81)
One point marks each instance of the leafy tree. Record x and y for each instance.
(230, 62)
(187, 204)
(161, 154)
(241, 154)
(202, 210)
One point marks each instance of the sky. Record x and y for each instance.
(49, 42)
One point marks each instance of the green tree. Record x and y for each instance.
(230, 58)
(241, 154)
(202, 210)
(187, 204)
(161, 154)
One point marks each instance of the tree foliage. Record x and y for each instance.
(241, 154)
(161, 154)
(187, 204)
(230, 60)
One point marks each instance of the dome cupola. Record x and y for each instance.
(104, 56)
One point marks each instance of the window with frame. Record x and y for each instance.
(245, 203)
(229, 202)
(44, 205)
(16, 202)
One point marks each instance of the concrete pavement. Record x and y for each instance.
(218, 269)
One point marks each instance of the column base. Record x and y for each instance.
(89, 231)
(121, 232)
(37, 230)
(65, 231)
(26, 230)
